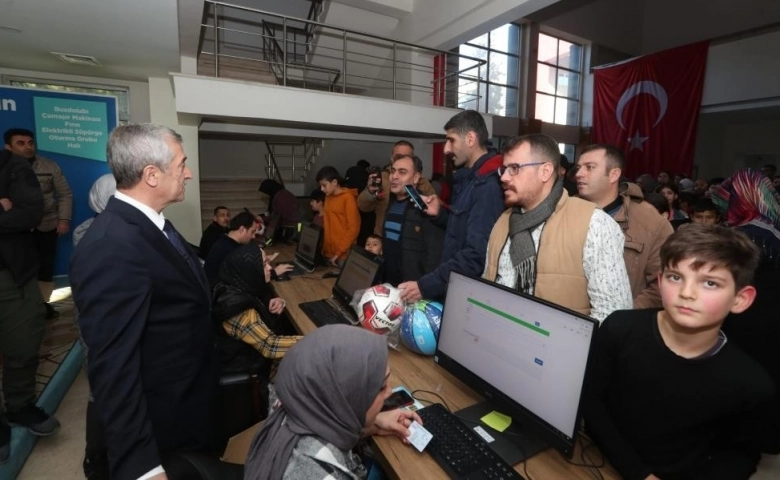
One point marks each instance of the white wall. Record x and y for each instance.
(746, 69)
(721, 148)
(184, 215)
(139, 91)
(232, 157)
(695, 20)
(246, 100)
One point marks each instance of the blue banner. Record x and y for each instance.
(71, 129)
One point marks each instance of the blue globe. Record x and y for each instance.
(420, 327)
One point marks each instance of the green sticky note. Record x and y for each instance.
(497, 421)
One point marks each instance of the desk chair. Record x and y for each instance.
(243, 385)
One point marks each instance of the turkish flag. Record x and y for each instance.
(649, 107)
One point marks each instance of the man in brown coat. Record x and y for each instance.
(599, 169)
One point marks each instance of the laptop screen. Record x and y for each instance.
(360, 271)
(308, 242)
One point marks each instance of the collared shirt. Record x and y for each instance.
(157, 218)
(159, 221)
(608, 286)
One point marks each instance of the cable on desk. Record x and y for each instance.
(430, 401)
(594, 469)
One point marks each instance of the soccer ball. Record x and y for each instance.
(380, 309)
(420, 327)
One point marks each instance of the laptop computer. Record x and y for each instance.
(361, 270)
(307, 253)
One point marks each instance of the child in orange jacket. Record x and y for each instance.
(341, 218)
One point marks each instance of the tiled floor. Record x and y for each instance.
(59, 456)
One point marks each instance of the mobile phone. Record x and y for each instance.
(398, 399)
(416, 198)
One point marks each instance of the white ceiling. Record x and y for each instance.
(132, 39)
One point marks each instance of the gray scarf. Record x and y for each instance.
(521, 224)
(326, 384)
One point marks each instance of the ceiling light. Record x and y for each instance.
(77, 59)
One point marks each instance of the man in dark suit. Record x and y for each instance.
(143, 305)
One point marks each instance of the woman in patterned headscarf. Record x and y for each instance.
(751, 204)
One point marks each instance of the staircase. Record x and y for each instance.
(236, 68)
(234, 193)
(290, 162)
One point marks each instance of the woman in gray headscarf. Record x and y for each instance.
(102, 190)
(331, 385)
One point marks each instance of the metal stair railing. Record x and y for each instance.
(337, 80)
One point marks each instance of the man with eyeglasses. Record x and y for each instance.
(598, 180)
(547, 244)
(476, 204)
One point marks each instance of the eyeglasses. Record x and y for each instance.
(513, 168)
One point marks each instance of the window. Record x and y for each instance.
(491, 88)
(558, 78)
(122, 94)
(568, 150)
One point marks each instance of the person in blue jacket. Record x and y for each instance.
(477, 201)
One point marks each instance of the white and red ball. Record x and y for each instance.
(380, 309)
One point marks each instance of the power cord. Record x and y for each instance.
(430, 402)
(594, 469)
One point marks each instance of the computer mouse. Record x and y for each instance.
(282, 278)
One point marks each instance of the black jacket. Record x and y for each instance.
(19, 184)
(144, 314)
(421, 245)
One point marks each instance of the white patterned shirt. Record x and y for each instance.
(602, 259)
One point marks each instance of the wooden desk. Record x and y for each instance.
(419, 372)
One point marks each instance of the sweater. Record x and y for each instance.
(652, 411)
(341, 223)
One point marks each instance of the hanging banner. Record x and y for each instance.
(649, 108)
(70, 129)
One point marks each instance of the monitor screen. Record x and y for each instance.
(360, 271)
(309, 242)
(527, 355)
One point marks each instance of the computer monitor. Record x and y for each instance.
(361, 270)
(309, 242)
(527, 357)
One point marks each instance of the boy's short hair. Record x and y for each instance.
(317, 195)
(705, 205)
(374, 236)
(12, 132)
(716, 245)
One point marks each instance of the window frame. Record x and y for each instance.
(482, 104)
(556, 68)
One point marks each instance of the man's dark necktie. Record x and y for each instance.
(178, 244)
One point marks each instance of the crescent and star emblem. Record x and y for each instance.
(650, 88)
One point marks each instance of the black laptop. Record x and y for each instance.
(307, 254)
(361, 270)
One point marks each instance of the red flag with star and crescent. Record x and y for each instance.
(649, 107)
